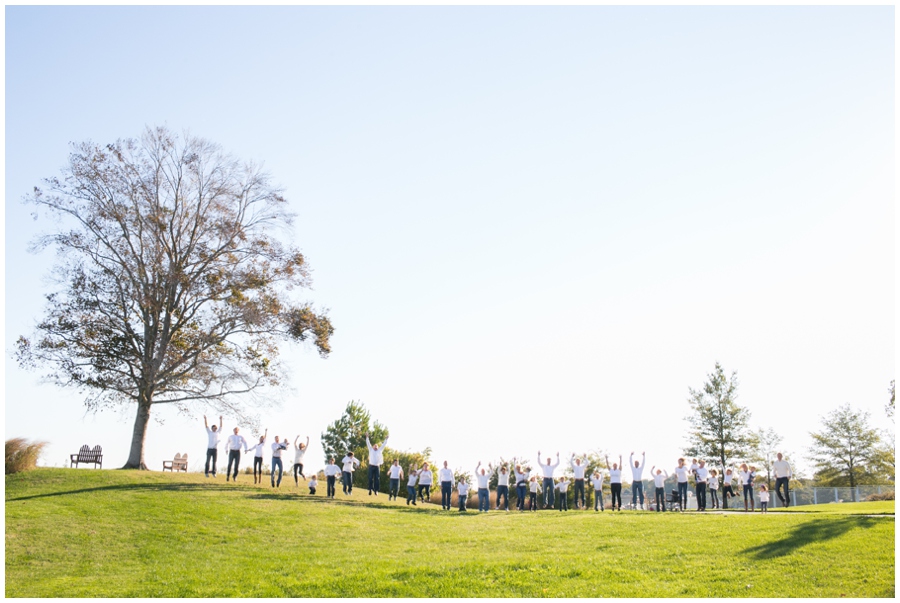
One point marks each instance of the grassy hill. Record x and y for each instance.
(89, 533)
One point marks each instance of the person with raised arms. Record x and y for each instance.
(701, 477)
(212, 448)
(484, 494)
(331, 473)
(299, 453)
(637, 484)
(727, 486)
(411, 484)
(615, 482)
(258, 451)
(783, 475)
(578, 471)
(563, 487)
(597, 482)
(747, 477)
(376, 458)
(549, 482)
(659, 480)
(426, 479)
(445, 477)
(503, 487)
(395, 471)
(348, 465)
(277, 447)
(234, 444)
(521, 485)
(681, 478)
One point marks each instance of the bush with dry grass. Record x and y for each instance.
(22, 455)
(882, 496)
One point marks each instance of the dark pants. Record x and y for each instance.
(660, 499)
(211, 455)
(714, 496)
(579, 490)
(637, 489)
(748, 494)
(410, 494)
(616, 492)
(276, 462)
(374, 478)
(462, 502)
(701, 496)
(234, 456)
(779, 482)
(727, 491)
(682, 495)
(395, 487)
(298, 472)
(257, 469)
(446, 492)
(598, 500)
(347, 481)
(329, 487)
(548, 493)
(504, 492)
(520, 496)
(532, 501)
(563, 501)
(426, 488)
(484, 499)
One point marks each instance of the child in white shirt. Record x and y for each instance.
(563, 487)
(462, 490)
(763, 498)
(312, 484)
(597, 482)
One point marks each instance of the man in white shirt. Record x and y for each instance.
(549, 482)
(701, 475)
(503, 487)
(395, 471)
(376, 458)
(212, 448)
(234, 444)
(578, 471)
(615, 482)
(445, 477)
(331, 472)
(484, 493)
(349, 464)
(277, 448)
(783, 475)
(637, 484)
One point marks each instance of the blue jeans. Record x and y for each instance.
(682, 495)
(504, 492)
(395, 485)
(374, 478)
(329, 482)
(520, 497)
(211, 454)
(579, 490)
(347, 481)
(598, 500)
(446, 492)
(276, 462)
(549, 501)
(484, 499)
(411, 494)
(637, 490)
(462, 502)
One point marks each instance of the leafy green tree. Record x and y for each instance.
(719, 429)
(890, 405)
(845, 449)
(171, 287)
(348, 434)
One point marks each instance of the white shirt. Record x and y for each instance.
(548, 469)
(413, 478)
(482, 480)
(578, 470)
(764, 496)
(463, 488)
(745, 478)
(214, 438)
(277, 447)
(376, 457)
(681, 473)
(235, 442)
(713, 482)
(702, 475)
(331, 469)
(521, 478)
(258, 449)
(502, 478)
(728, 479)
(349, 463)
(426, 478)
(660, 479)
(298, 455)
(597, 482)
(563, 486)
(782, 469)
(313, 483)
(533, 486)
(615, 476)
(636, 472)
(445, 475)
(396, 471)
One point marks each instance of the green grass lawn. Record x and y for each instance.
(882, 507)
(89, 533)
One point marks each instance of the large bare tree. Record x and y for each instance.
(173, 285)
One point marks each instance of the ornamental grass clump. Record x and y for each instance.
(22, 455)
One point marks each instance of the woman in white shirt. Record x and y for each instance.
(521, 486)
(258, 457)
(426, 479)
(615, 482)
(681, 476)
(299, 453)
(714, 488)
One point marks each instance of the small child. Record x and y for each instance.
(714, 488)
(462, 490)
(563, 487)
(763, 498)
(312, 483)
(597, 482)
(411, 485)
(659, 481)
(533, 487)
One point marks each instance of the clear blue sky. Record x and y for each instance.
(534, 227)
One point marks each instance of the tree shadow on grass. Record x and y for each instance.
(128, 488)
(809, 532)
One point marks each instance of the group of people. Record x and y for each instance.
(707, 482)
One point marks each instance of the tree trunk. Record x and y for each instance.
(136, 456)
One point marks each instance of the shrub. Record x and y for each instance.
(882, 496)
(22, 455)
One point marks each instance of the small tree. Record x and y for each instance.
(718, 426)
(348, 434)
(844, 448)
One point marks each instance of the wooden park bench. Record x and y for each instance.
(179, 463)
(86, 455)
